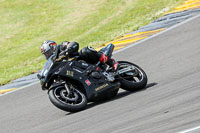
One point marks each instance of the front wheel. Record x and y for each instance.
(73, 103)
(132, 80)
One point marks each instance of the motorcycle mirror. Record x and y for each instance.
(39, 76)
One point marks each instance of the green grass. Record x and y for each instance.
(24, 25)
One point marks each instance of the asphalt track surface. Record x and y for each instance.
(170, 103)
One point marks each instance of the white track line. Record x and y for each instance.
(19, 88)
(189, 130)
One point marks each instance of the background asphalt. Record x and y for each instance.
(170, 103)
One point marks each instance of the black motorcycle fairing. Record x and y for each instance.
(49, 74)
(74, 71)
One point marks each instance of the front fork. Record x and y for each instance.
(69, 90)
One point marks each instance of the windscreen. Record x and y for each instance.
(47, 66)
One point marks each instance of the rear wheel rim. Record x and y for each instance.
(137, 76)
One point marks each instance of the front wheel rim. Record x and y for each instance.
(61, 95)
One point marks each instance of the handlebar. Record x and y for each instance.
(61, 58)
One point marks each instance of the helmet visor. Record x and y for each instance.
(47, 54)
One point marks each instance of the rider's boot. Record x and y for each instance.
(111, 62)
(115, 65)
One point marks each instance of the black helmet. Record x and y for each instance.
(47, 48)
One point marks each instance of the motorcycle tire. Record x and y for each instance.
(132, 83)
(59, 99)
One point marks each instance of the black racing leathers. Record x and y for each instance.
(69, 47)
(88, 54)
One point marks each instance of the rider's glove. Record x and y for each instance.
(103, 58)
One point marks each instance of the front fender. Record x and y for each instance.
(54, 85)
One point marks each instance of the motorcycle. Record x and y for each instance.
(72, 82)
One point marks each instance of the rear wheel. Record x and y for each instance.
(133, 80)
(74, 102)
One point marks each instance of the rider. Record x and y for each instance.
(88, 54)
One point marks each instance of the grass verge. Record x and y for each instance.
(24, 25)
